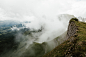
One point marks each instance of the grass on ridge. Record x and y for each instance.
(76, 47)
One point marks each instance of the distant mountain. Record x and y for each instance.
(8, 23)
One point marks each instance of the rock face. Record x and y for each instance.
(71, 29)
(75, 44)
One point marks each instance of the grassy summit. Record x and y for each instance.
(74, 46)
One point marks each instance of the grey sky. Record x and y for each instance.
(31, 9)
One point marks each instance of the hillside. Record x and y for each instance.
(75, 45)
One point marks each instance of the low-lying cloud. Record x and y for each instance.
(52, 16)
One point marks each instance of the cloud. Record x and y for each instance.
(42, 13)
(52, 15)
(18, 9)
(78, 9)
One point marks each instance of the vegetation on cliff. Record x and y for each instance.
(75, 45)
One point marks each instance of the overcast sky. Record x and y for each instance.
(32, 9)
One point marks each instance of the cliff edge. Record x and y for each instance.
(75, 45)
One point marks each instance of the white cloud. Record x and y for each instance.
(17, 9)
(42, 13)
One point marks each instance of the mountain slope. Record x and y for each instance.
(75, 45)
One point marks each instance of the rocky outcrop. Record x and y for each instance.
(72, 29)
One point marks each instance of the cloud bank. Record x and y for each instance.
(51, 15)
(46, 13)
(49, 9)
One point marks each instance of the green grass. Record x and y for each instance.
(76, 47)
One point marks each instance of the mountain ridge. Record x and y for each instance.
(74, 46)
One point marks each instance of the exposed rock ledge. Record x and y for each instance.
(75, 44)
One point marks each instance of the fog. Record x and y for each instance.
(50, 16)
